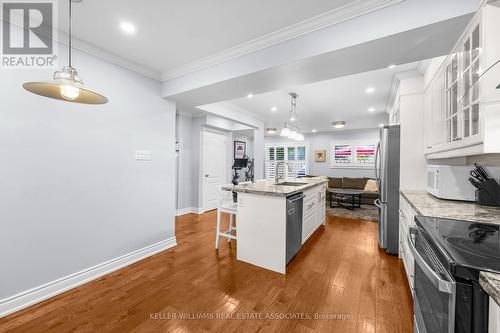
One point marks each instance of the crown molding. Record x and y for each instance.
(94, 51)
(338, 15)
(90, 49)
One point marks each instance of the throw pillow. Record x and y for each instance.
(371, 186)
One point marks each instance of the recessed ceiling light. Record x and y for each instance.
(371, 110)
(274, 109)
(314, 130)
(249, 95)
(391, 66)
(127, 27)
(292, 118)
(338, 124)
(271, 130)
(369, 90)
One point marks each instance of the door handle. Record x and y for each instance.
(441, 284)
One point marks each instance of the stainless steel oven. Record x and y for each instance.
(434, 288)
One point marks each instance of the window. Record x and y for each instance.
(353, 156)
(295, 154)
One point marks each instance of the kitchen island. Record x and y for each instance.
(262, 218)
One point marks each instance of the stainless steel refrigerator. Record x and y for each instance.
(387, 175)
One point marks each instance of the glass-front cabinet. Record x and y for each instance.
(462, 70)
(470, 72)
(460, 106)
(451, 97)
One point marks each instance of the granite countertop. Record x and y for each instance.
(427, 205)
(268, 187)
(491, 283)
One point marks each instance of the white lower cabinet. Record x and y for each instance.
(494, 317)
(313, 210)
(406, 220)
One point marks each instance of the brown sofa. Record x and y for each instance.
(353, 183)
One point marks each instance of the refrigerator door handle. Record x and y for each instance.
(377, 175)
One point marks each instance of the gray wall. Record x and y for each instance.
(324, 140)
(185, 161)
(72, 195)
(189, 132)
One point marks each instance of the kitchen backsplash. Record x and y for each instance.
(491, 160)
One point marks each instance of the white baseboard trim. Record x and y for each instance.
(30, 297)
(198, 211)
(189, 210)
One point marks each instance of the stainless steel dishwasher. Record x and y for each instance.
(294, 206)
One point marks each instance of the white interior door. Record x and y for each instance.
(213, 167)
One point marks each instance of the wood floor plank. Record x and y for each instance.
(340, 280)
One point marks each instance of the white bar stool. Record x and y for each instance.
(228, 206)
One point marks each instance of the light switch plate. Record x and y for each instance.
(143, 155)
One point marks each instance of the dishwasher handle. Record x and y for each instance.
(296, 198)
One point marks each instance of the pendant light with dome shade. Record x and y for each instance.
(66, 84)
(285, 131)
(291, 131)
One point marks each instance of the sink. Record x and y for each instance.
(291, 184)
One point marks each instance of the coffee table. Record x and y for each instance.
(345, 198)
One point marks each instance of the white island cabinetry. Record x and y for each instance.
(261, 222)
(494, 317)
(313, 211)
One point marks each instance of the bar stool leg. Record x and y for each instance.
(230, 227)
(217, 230)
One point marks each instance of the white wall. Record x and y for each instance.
(410, 97)
(72, 195)
(324, 140)
(185, 162)
(226, 111)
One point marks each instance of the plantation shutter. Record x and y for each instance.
(270, 160)
(293, 154)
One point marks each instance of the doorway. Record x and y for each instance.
(213, 167)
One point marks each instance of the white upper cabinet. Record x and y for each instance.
(455, 113)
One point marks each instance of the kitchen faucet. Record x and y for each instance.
(276, 175)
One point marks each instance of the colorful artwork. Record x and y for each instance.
(342, 154)
(365, 154)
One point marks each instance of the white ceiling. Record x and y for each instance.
(171, 33)
(321, 103)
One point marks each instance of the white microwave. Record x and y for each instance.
(450, 182)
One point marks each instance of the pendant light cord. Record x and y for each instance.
(69, 28)
(466, 94)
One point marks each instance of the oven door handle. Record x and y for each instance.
(443, 285)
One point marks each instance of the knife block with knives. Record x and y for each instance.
(487, 189)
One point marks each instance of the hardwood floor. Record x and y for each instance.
(339, 272)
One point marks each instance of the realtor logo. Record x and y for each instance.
(28, 34)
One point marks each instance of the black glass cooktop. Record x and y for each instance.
(468, 244)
